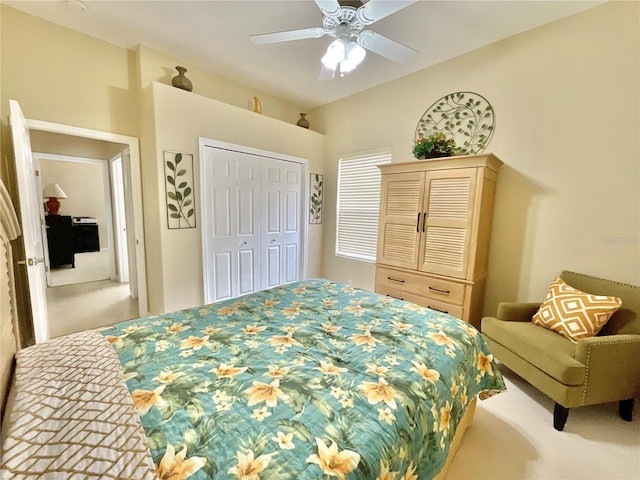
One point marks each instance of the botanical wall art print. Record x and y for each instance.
(178, 171)
(315, 203)
(466, 117)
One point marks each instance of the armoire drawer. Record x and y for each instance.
(454, 310)
(400, 295)
(423, 285)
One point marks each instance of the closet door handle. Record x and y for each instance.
(418, 223)
(424, 221)
(445, 292)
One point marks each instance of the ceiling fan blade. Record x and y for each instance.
(287, 36)
(375, 10)
(330, 8)
(386, 47)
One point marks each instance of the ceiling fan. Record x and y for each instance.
(345, 21)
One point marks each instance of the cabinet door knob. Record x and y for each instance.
(418, 223)
(424, 221)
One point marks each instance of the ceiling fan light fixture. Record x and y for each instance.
(354, 55)
(344, 20)
(334, 55)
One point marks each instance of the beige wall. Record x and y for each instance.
(84, 185)
(158, 67)
(180, 118)
(567, 105)
(62, 76)
(59, 144)
(566, 98)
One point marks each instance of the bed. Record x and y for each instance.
(309, 380)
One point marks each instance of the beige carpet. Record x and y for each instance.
(88, 305)
(83, 297)
(512, 437)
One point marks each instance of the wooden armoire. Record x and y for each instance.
(434, 232)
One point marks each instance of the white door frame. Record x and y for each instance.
(304, 240)
(133, 172)
(116, 168)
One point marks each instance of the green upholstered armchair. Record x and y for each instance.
(604, 368)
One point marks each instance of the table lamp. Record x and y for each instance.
(53, 192)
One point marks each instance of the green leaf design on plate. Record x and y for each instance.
(446, 114)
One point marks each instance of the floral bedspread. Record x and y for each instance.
(306, 381)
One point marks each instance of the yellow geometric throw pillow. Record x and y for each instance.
(573, 313)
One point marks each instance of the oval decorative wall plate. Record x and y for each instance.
(467, 117)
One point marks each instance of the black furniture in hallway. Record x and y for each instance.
(67, 236)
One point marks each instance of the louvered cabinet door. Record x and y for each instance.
(449, 203)
(401, 200)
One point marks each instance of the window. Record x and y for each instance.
(358, 204)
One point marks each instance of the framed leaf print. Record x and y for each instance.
(178, 174)
(315, 202)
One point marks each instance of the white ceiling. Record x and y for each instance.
(214, 35)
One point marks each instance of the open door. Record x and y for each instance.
(32, 220)
(120, 219)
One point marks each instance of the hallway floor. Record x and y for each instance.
(90, 267)
(83, 306)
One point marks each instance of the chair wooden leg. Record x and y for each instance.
(625, 408)
(560, 415)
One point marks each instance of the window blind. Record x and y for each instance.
(358, 205)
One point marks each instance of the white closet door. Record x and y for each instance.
(281, 209)
(231, 195)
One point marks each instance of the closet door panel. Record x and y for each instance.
(271, 269)
(246, 235)
(217, 227)
(272, 263)
(293, 218)
(221, 211)
(223, 276)
(246, 271)
(292, 266)
(231, 189)
(246, 214)
(281, 209)
(252, 222)
(272, 214)
(291, 237)
(292, 222)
